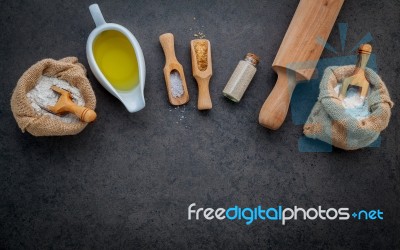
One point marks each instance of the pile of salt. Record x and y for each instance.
(176, 84)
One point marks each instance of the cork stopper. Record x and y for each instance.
(252, 58)
(365, 49)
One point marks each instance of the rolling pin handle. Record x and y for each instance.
(275, 108)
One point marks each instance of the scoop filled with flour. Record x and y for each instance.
(353, 103)
(42, 96)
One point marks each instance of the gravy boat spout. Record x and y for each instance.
(118, 66)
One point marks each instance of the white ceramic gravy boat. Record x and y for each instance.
(132, 99)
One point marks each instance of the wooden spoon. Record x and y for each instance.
(202, 71)
(66, 105)
(172, 64)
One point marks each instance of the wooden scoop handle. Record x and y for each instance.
(204, 99)
(65, 104)
(275, 108)
(85, 114)
(167, 43)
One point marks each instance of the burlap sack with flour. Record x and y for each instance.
(28, 119)
(330, 123)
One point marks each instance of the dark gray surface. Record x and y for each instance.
(126, 181)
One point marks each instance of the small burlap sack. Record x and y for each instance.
(28, 119)
(330, 123)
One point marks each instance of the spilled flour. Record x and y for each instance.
(354, 105)
(43, 96)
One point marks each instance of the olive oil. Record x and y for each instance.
(116, 59)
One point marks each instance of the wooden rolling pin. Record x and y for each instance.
(298, 55)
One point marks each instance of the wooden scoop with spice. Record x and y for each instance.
(173, 72)
(202, 71)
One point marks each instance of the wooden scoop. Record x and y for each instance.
(298, 55)
(202, 71)
(358, 78)
(172, 64)
(66, 105)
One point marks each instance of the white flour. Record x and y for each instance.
(354, 104)
(43, 96)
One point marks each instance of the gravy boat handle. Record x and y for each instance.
(96, 15)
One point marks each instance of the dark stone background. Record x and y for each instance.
(126, 181)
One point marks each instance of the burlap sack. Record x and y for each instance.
(330, 123)
(28, 119)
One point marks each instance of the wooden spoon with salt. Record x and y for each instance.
(202, 70)
(177, 89)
